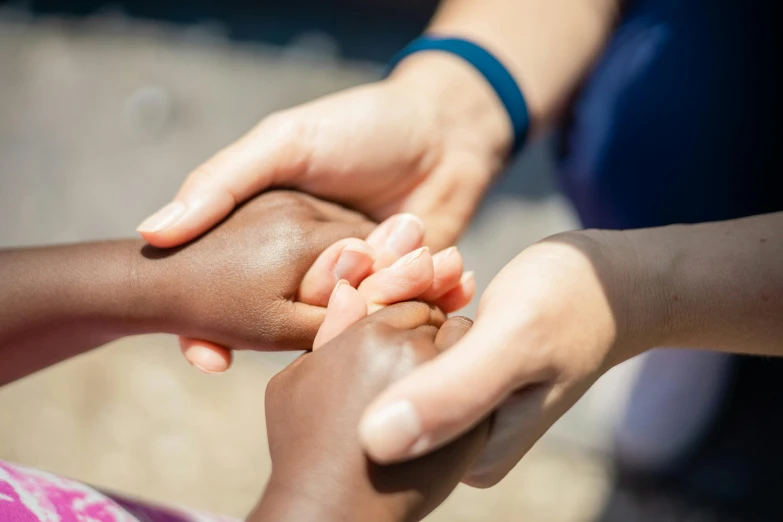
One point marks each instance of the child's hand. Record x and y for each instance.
(400, 271)
(320, 471)
(237, 286)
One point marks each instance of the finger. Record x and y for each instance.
(443, 398)
(345, 308)
(301, 325)
(406, 316)
(405, 279)
(349, 259)
(447, 273)
(452, 331)
(444, 224)
(268, 155)
(459, 297)
(516, 426)
(206, 356)
(395, 237)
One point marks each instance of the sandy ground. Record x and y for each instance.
(99, 122)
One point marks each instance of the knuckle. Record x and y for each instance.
(288, 198)
(204, 175)
(285, 125)
(291, 136)
(409, 347)
(382, 344)
(375, 334)
(299, 216)
(289, 226)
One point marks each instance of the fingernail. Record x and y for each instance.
(441, 256)
(467, 276)
(393, 432)
(336, 290)
(163, 218)
(206, 360)
(410, 258)
(407, 234)
(354, 263)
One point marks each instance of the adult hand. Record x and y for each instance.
(425, 141)
(551, 322)
(319, 470)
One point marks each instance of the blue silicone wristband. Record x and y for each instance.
(490, 67)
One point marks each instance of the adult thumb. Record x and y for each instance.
(271, 154)
(442, 399)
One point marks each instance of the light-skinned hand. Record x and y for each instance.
(548, 326)
(406, 144)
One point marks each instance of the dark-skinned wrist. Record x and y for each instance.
(323, 499)
(162, 290)
(117, 289)
(661, 256)
(632, 269)
(61, 301)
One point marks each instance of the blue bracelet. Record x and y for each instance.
(490, 67)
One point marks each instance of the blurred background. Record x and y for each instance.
(104, 108)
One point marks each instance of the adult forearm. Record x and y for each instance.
(548, 45)
(56, 302)
(719, 285)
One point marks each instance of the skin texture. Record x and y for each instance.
(320, 471)
(260, 280)
(380, 148)
(572, 306)
(427, 140)
(235, 287)
(388, 267)
(547, 46)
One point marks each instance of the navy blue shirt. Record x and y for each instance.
(677, 122)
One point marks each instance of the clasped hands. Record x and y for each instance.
(269, 271)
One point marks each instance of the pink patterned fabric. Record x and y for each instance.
(28, 495)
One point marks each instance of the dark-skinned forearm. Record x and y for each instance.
(59, 301)
(314, 489)
(715, 285)
(282, 503)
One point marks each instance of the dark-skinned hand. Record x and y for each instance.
(260, 280)
(237, 286)
(389, 266)
(313, 407)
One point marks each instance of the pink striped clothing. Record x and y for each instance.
(28, 495)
